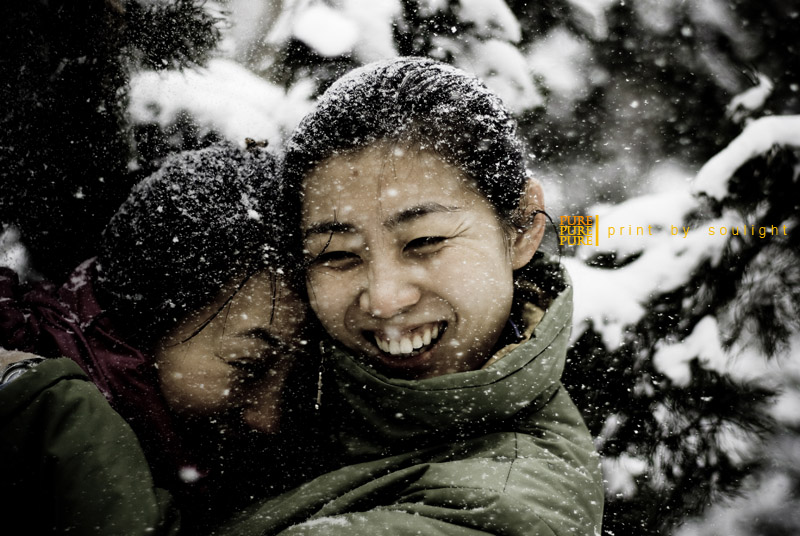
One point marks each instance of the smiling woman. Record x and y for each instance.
(442, 379)
(410, 265)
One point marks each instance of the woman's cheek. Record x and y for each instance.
(327, 297)
(198, 392)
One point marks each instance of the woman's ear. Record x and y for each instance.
(526, 241)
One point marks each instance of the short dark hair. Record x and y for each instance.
(203, 218)
(440, 106)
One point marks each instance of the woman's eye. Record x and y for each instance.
(336, 259)
(425, 244)
(257, 365)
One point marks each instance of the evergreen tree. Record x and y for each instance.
(669, 395)
(66, 144)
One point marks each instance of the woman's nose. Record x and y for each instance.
(390, 289)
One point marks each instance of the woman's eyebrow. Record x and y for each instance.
(328, 227)
(416, 212)
(403, 216)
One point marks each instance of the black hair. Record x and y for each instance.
(420, 100)
(204, 218)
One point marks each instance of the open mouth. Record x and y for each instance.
(413, 343)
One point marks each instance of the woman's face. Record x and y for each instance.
(410, 267)
(240, 360)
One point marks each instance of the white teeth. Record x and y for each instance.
(407, 345)
(426, 337)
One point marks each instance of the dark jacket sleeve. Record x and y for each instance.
(70, 463)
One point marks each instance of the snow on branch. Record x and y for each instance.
(224, 96)
(757, 138)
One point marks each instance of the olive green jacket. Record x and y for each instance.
(70, 464)
(501, 450)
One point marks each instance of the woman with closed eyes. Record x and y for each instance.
(188, 324)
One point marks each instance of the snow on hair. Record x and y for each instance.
(203, 218)
(426, 101)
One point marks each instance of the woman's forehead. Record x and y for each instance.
(386, 158)
(385, 178)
